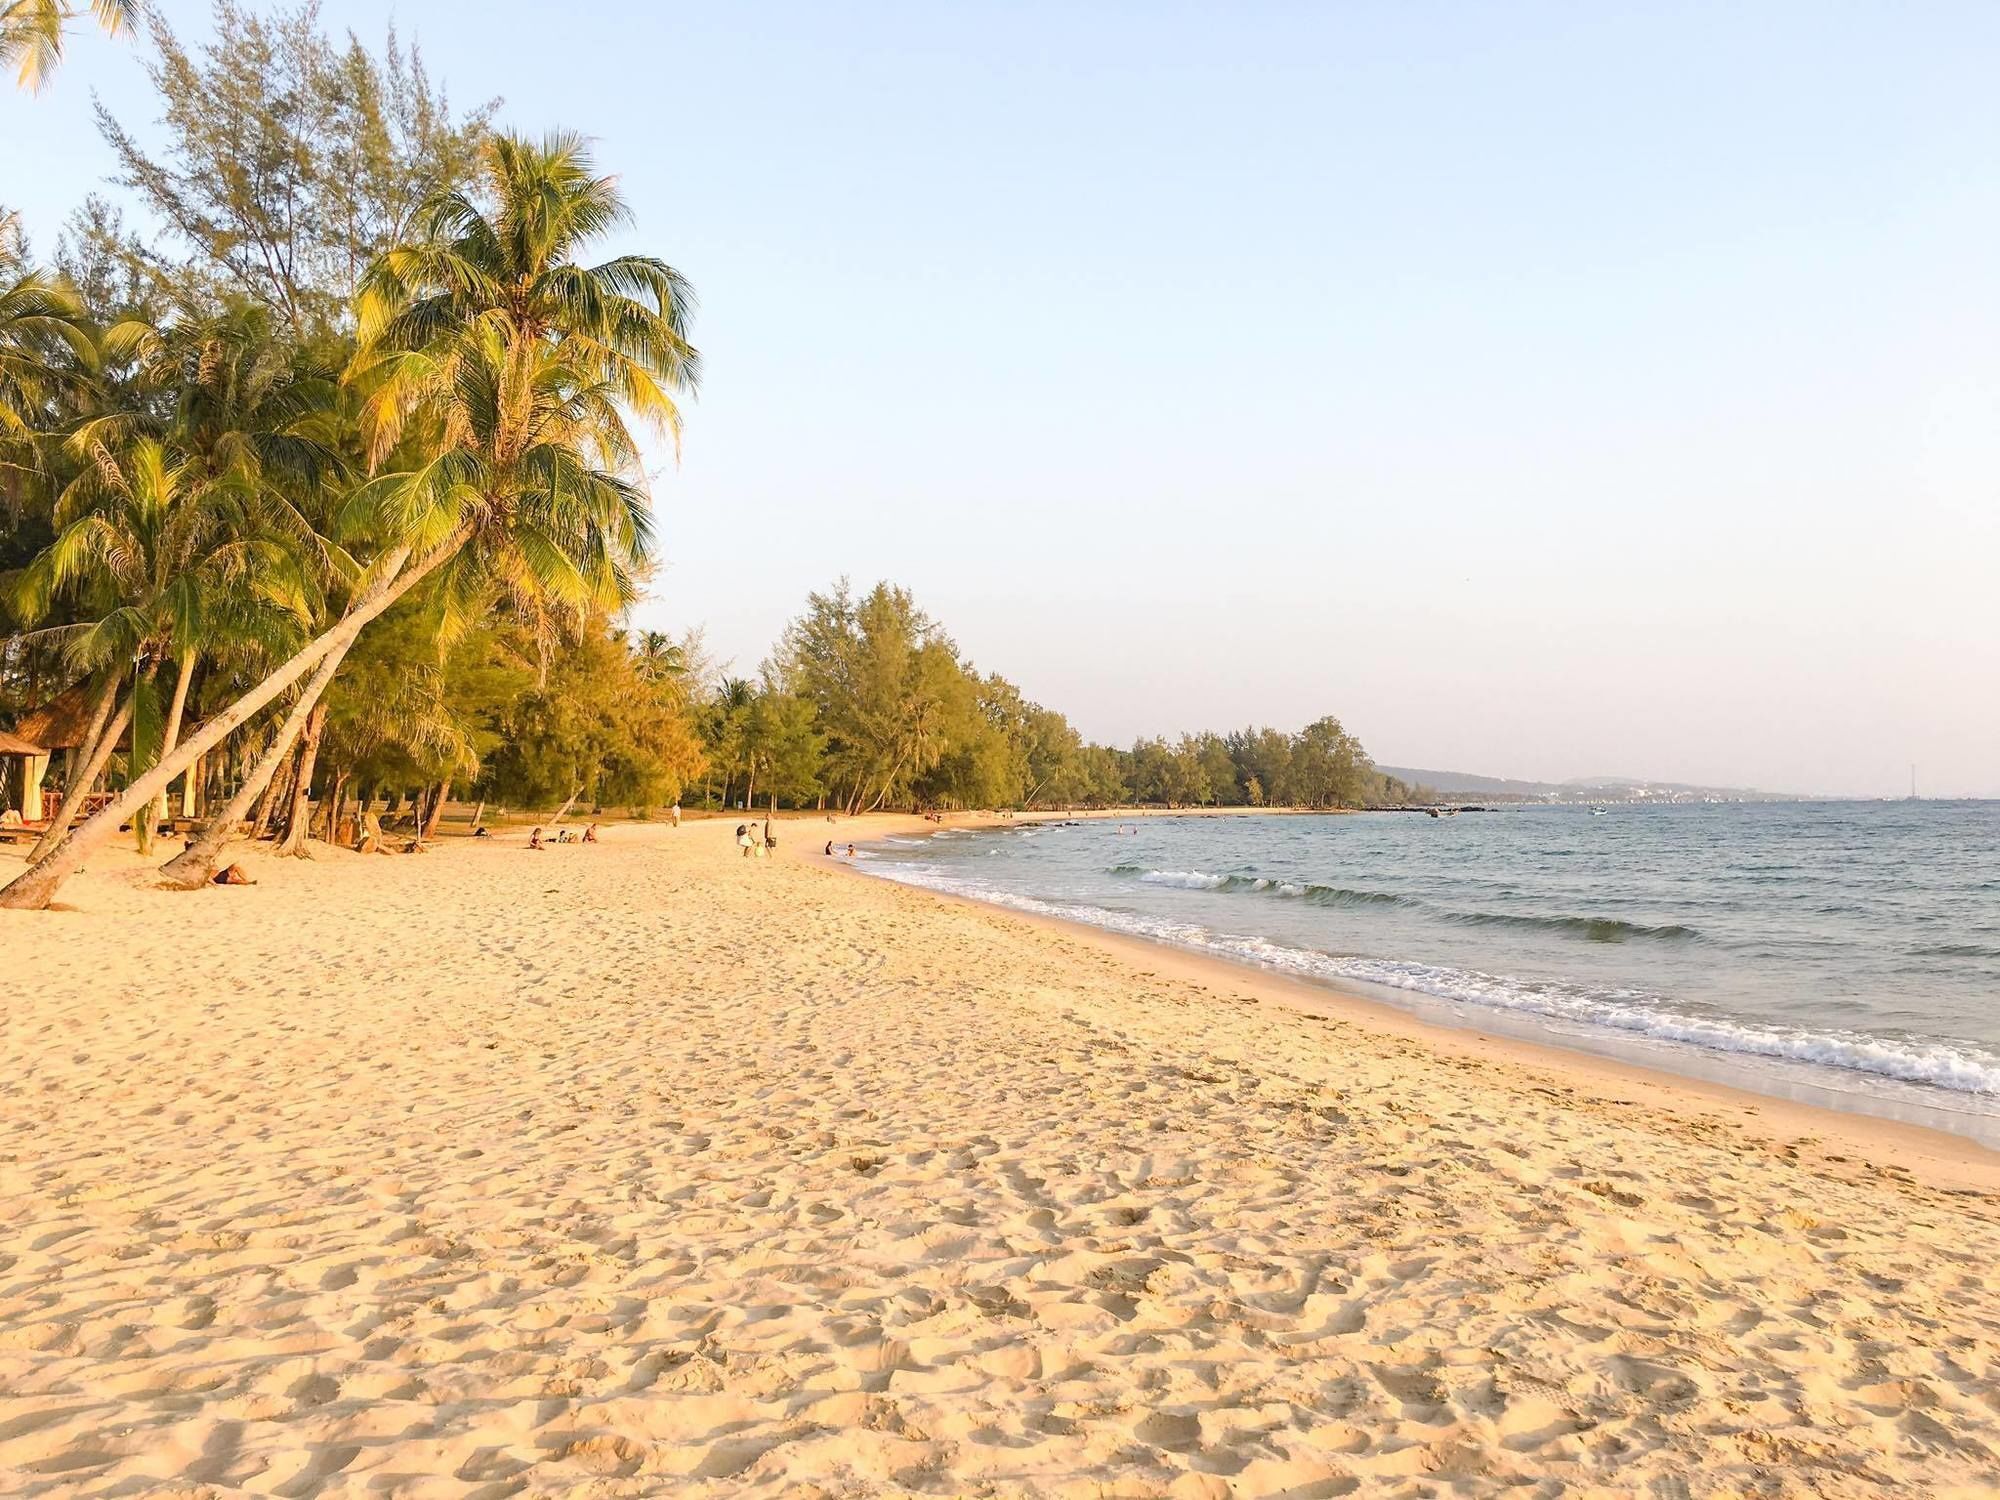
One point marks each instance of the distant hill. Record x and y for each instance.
(1455, 784)
(1464, 783)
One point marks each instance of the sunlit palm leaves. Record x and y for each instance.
(510, 370)
(31, 33)
(156, 559)
(47, 363)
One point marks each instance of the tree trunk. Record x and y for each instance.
(478, 813)
(196, 864)
(36, 886)
(75, 787)
(298, 823)
(279, 791)
(336, 806)
(563, 811)
(170, 734)
(437, 811)
(750, 792)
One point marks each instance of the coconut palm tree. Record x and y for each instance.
(161, 564)
(497, 373)
(31, 33)
(46, 357)
(500, 371)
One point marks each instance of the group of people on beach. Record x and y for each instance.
(564, 836)
(753, 843)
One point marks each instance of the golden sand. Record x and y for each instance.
(640, 1168)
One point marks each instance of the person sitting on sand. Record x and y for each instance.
(535, 838)
(482, 833)
(829, 848)
(590, 834)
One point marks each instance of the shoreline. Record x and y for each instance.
(640, 1167)
(1960, 1157)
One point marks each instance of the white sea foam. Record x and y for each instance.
(1956, 1066)
(1187, 880)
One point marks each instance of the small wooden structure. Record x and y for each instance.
(61, 724)
(23, 764)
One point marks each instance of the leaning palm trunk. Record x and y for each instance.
(94, 740)
(563, 811)
(170, 735)
(279, 790)
(300, 820)
(93, 768)
(195, 865)
(437, 811)
(35, 886)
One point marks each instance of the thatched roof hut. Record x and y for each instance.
(62, 723)
(13, 744)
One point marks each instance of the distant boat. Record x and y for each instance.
(1597, 812)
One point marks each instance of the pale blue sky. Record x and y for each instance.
(1546, 390)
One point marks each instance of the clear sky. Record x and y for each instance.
(1545, 390)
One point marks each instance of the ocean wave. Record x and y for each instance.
(1956, 1066)
(1589, 929)
(1956, 950)
(1313, 895)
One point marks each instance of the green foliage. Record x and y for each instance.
(290, 163)
(595, 724)
(905, 721)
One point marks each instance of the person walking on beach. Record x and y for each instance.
(677, 815)
(770, 838)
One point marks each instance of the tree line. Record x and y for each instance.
(327, 487)
(867, 703)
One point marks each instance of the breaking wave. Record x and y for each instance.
(1588, 929)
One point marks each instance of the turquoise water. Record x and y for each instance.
(1849, 949)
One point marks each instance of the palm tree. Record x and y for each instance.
(46, 356)
(501, 370)
(31, 33)
(161, 563)
(496, 373)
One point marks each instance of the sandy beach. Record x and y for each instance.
(641, 1168)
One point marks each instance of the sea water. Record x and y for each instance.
(1845, 953)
